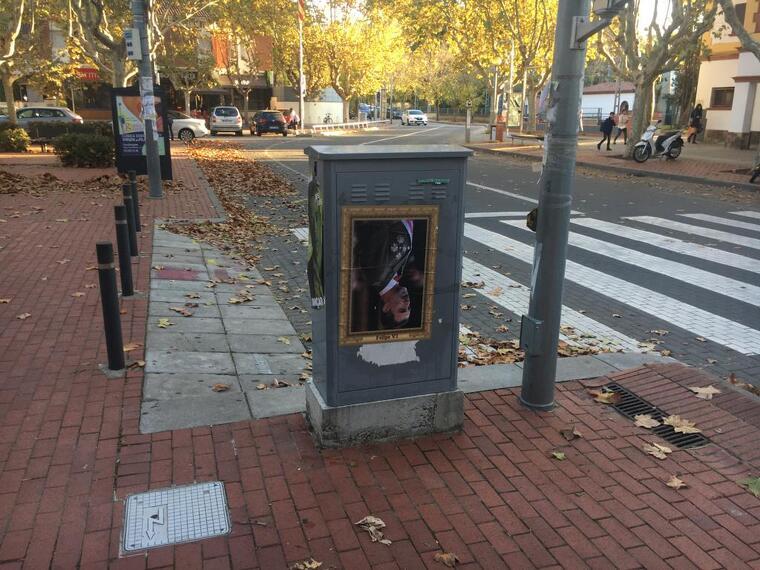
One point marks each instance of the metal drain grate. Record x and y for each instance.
(175, 515)
(631, 405)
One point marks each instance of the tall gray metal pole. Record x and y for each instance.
(511, 82)
(540, 328)
(301, 81)
(139, 19)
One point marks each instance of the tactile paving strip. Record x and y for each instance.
(175, 515)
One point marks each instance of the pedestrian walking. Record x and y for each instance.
(622, 126)
(295, 120)
(580, 120)
(695, 124)
(606, 128)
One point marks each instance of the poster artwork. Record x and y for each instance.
(388, 269)
(315, 269)
(130, 114)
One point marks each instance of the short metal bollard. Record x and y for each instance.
(109, 298)
(135, 200)
(127, 193)
(122, 242)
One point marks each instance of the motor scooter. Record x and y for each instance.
(668, 144)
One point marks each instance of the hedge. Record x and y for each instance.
(14, 140)
(84, 150)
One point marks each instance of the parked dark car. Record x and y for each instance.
(269, 122)
(396, 114)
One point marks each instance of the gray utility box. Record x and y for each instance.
(385, 251)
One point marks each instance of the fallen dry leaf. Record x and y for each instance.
(309, 564)
(164, 323)
(752, 484)
(675, 483)
(615, 315)
(62, 261)
(570, 433)
(373, 525)
(277, 383)
(182, 311)
(704, 392)
(559, 455)
(711, 361)
(220, 387)
(77, 294)
(5, 301)
(130, 346)
(283, 340)
(23, 316)
(502, 329)
(646, 421)
(657, 450)
(605, 397)
(193, 296)
(90, 286)
(681, 425)
(158, 267)
(137, 364)
(701, 339)
(448, 559)
(666, 352)
(496, 292)
(469, 295)
(261, 386)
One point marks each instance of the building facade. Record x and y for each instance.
(728, 78)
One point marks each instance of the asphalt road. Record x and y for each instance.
(653, 264)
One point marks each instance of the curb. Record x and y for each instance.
(630, 171)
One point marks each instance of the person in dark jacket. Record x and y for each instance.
(607, 127)
(695, 124)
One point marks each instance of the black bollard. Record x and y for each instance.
(122, 242)
(135, 202)
(109, 297)
(127, 193)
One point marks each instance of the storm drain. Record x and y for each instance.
(175, 515)
(631, 405)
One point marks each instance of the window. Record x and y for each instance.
(722, 98)
(741, 11)
(26, 114)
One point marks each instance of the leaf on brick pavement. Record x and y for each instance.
(657, 450)
(448, 559)
(164, 323)
(130, 346)
(91, 268)
(605, 396)
(646, 421)
(570, 433)
(23, 316)
(559, 455)
(77, 294)
(752, 484)
(675, 483)
(5, 300)
(373, 525)
(157, 267)
(220, 387)
(62, 261)
(136, 364)
(309, 564)
(681, 425)
(122, 311)
(704, 392)
(90, 286)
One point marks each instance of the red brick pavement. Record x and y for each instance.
(70, 450)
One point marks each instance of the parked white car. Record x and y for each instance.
(186, 128)
(226, 119)
(414, 117)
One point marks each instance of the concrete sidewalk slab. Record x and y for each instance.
(187, 342)
(159, 386)
(266, 344)
(162, 415)
(188, 362)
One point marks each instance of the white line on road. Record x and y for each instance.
(672, 244)
(697, 231)
(503, 192)
(495, 214)
(515, 298)
(748, 214)
(697, 277)
(426, 130)
(723, 221)
(724, 331)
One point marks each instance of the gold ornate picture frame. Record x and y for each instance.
(387, 273)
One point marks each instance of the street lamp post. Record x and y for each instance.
(244, 86)
(539, 330)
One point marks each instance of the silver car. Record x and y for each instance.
(29, 116)
(225, 119)
(186, 128)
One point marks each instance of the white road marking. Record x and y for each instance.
(723, 221)
(495, 214)
(748, 214)
(731, 288)
(503, 192)
(672, 244)
(719, 329)
(697, 231)
(515, 298)
(420, 132)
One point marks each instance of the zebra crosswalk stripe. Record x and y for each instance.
(723, 221)
(672, 244)
(699, 278)
(719, 329)
(747, 214)
(697, 231)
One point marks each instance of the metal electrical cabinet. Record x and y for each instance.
(385, 226)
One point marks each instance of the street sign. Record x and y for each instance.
(132, 41)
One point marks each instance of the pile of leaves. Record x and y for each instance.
(43, 184)
(230, 171)
(235, 179)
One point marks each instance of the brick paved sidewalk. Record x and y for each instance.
(70, 449)
(683, 168)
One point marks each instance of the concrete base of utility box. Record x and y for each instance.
(383, 420)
